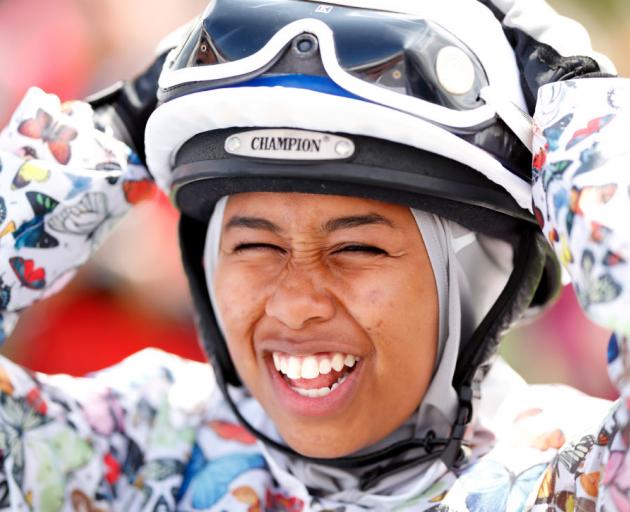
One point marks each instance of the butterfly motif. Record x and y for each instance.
(133, 460)
(278, 502)
(104, 412)
(31, 277)
(555, 131)
(572, 456)
(57, 136)
(31, 233)
(567, 500)
(5, 295)
(161, 505)
(35, 399)
(611, 99)
(112, 468)
(29, 172)
(18, 418)
(6, 386)
(491, 486)
(3, 210)
(161, 469)
(599, 232)
(560, 200)
(134, 159)
(598, 290)
(5, 495)
(79, 184)
(590, 159)
(593, 126)
(232, 432)
(590, 483)
(582, 199)
(81, 502)
(613, 350)
(114, 169)
(604, 436)
(538, 163)
(58, 454)
(612, 259)
(208, 481)
(27, 152)
(8, 229)
(246, 495)
(554, 171)
(83, 218)
(564, 253)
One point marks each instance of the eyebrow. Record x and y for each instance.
(252, 223)
(355, 221)
(336, 224)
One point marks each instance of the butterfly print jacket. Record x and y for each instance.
(153, 434)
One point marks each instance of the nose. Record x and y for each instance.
(299, 300)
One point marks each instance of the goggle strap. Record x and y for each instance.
(518, 121)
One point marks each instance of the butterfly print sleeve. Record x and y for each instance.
(63, 184)
(581, 198)
(116, 440)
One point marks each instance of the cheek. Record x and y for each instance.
(403, 304)
(240, 305)
(400, 316)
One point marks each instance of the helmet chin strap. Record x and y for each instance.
(429, 447)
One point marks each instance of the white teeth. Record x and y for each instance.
(312, 393)
(294, 370)
(317, 393)
(324, 366)
(338, 362)
(310, 368)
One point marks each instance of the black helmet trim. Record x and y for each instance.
(175, 123)
(378, 169)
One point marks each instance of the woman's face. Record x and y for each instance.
(330, 313)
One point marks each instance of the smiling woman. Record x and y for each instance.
(305, 282)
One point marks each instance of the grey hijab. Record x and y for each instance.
(470, 271)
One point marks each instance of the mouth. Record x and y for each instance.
(316, 384)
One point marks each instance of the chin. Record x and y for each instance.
(321, 446)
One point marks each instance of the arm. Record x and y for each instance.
(581, 199)
(63, 184)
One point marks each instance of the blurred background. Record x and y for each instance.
(134, 295)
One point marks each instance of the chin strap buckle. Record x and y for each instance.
(454, 455)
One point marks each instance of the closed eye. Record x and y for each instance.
(257, 246)
(358, 248)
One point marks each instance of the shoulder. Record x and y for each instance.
(123, 433)
(543, 443)
(511, 408)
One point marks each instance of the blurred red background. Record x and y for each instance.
(133, 295)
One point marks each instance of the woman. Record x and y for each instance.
(356, 233)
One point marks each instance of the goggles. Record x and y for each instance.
(399, 61)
